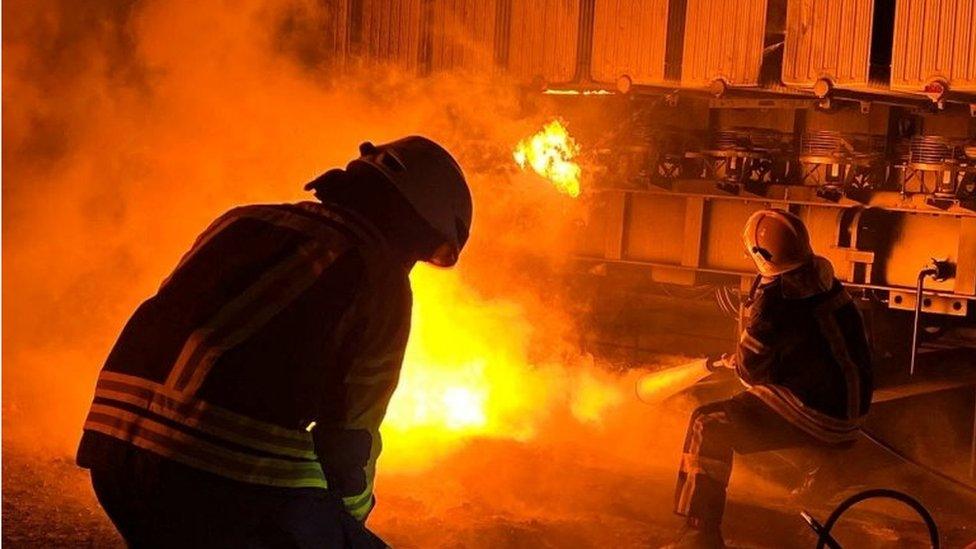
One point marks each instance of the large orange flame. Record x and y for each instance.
(469, 373)
(550, 153)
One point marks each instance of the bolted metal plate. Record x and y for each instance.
(943, 305)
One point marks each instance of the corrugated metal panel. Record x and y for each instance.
(629, 38)
(335, 17)
(828, 39)
(463, 34)
(387, 31)
(543, 39)
(723, 39)
(934, 39)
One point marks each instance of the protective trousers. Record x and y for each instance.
(154, 502)
(742, 424)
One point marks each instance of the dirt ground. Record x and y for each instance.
(577, 486)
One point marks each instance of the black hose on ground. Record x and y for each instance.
(823, 530)
(825, 539)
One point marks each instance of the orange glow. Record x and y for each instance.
(551, 153)
(577, 92)
(594, 396)
(110, 191)
(469, 373)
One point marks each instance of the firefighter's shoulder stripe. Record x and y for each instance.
(191, 431)
(274, 290)
(350, 220)
(248, 312)
(305, 217)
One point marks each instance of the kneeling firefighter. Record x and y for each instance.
(241, 405)
(805, 360)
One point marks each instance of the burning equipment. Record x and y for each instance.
(550, 153)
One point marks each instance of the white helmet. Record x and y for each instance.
(432, 182)
(777, 241)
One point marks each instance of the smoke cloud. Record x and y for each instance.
(128, 126)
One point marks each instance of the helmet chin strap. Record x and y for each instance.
(763, 252)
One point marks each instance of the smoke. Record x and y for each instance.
(128, 126)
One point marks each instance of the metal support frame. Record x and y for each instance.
(706, 209)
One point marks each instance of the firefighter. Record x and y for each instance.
(804, 360)
(241, 405)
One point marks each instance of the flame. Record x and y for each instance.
(469, 373)
(550, 153)
(551, 91)
(466, 374)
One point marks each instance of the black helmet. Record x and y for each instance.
(432, 182)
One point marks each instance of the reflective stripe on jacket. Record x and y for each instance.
(279, 318)
(803, 351)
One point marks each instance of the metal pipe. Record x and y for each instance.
(642, 263)
(918, 313)
(940, 269)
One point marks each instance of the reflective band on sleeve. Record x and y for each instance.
(275, 216)
(751, 343)
(359, 506)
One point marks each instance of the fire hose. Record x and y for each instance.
(823, 530)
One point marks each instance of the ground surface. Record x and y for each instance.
(580, 487)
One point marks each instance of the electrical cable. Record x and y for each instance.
(728, 305)
(721, 301)
(732, 305)
(736, 301)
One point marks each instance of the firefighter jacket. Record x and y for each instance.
(268, 356)
(803, 351)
